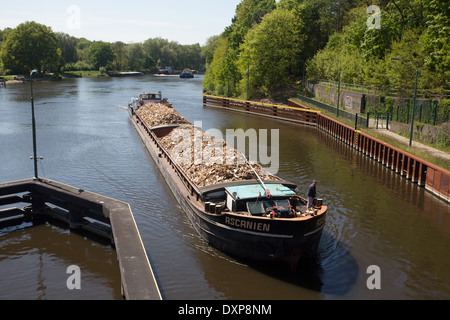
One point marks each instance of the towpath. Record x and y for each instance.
(415, 145)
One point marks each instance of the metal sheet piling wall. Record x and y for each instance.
(338, 130)
(294, 114)
(425, 174)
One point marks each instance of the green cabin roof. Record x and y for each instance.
(250, 191)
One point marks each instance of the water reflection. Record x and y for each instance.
(40, 265)
(334, 272)
(338, 269)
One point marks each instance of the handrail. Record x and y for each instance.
(263, 104)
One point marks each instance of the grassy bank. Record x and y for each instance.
(82, 74)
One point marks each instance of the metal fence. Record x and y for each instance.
(360, 121)
(391, 92)
(434, 112)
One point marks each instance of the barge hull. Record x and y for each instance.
(244, 237)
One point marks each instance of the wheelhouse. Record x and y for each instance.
(254, 200)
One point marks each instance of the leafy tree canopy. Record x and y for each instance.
(270, 50)
(338, 31)
(30, 46)
(101, 54)
(35, 46)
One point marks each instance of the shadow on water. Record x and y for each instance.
(334, 271)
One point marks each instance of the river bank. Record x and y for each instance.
(434, 154)
(17, 79)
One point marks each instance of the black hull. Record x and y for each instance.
(244, 237)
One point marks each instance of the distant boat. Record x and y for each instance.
(125, 74)
(167, 70)
(145, 98)
(186, 75)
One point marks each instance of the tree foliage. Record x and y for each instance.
(410, 30)
(338, 31)
(216, 78)
(249, 13)
(223, 73)
(30, 46)
(270, 50)
(67, 45)
(101, 54)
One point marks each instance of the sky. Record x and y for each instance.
(129, 21)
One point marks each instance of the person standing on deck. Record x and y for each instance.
(311, 194)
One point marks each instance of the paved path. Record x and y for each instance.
(415, 144)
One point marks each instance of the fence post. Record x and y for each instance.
(420, 112)
(356, 121)
(435, 113)
(409, 111)
(368, 116)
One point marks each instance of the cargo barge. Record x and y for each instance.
(253, 215)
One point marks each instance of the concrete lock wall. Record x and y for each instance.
(351, 101)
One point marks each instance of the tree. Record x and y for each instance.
(30, 46)
(435, 42)
(190, 56)
(153, 46)
(101, 54)
(138, 59)
(168, 56)
(377, 42)
(120, 55)
(402, 73)
(209, 48)
(248, 14)
(270, 49)
(321, 19)
(4, 35)
(214, 81)
(136, 56)
(68, 46)
(222, 52)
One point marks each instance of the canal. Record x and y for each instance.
(375, 217)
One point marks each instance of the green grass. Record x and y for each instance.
(8, 78)
(419, 152)
(84, 74)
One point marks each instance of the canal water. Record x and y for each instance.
(375, 217)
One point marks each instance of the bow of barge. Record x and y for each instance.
(259, 218)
